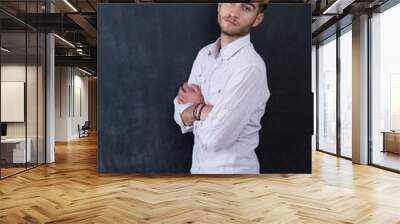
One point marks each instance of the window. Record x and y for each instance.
(327, 95)
(385, 88)
(346, 75)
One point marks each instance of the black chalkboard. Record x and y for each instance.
(145, 51)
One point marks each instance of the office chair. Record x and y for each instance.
(84, 130)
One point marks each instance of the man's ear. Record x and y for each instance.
(259, 19)
(219, 7)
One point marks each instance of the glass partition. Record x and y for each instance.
(14, 153)
(32, 95)
(22, 101)
(327, 95)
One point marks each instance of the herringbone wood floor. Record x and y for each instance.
(70, 191)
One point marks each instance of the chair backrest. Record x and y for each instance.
(86, 125)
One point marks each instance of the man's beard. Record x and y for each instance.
(236, 33)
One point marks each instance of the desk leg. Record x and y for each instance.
(384, 142)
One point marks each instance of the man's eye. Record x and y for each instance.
(246, 8)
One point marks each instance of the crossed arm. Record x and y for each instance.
(221, 124)
(192, 94)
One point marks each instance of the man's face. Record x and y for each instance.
(237, 19)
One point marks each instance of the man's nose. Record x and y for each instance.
(234, 10)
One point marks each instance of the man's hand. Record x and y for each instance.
(187, 115)
(190, 94)
(204, 113)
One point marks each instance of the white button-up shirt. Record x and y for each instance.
(234, 80)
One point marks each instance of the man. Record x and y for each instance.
(225, 96)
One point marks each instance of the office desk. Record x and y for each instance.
(13, 150)
(391, 141)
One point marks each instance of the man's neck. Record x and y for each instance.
(225, 39)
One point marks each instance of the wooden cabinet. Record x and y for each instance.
(391, 142)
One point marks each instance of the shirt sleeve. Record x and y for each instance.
(244, 93)
(179, 108)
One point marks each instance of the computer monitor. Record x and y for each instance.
(3, 129)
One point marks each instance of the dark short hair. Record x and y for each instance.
(263, 5)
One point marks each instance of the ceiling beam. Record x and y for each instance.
(83, 61)
(86, 26)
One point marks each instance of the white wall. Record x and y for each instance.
(61, 103)
(71, 93)
(12, 101)
(80, 110)
(16, 73)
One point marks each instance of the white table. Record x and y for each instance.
(19, 153)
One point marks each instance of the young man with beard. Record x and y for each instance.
(225, 96)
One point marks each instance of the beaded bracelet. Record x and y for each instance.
(197, 118)
(194, 111)
(200, 110)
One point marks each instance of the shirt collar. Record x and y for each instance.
(230, 49)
